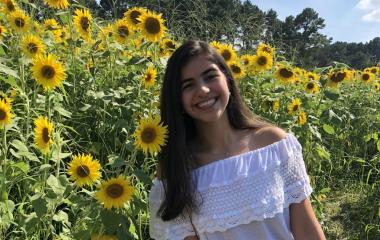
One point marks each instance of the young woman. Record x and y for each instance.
(224, 173)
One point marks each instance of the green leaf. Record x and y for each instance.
(325, 190)
(8, 71)
(111, 220)
(10, 80)
(62, 111)
(378, 145)
(61, 216)
(322, 152)
(31, 221)
(22, 151)
(23, 166)
(55, 185)
(40, 206)
(328, 129)
(143, 177)
(332, 95)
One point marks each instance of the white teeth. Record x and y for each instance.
(207, 103)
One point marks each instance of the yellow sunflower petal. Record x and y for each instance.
(84, 170)
(152, 26)
(43, 134)
(48, 71)
(150, 135)
(114, 193)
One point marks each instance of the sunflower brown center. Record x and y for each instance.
(226, 55)
(83, 171)
(48, 71)
(311, 77)
(338, 77)
(115, 190)
(3, 114)
(266, 49)
(32, 48)
(170, 45)
(134, 17)
(235, 69)
(152, 25)
(373, 70)
(295, 107)
(85, 23)
(148, 135)
(262, 61)
(286, 73)
(11, 7)
(123, 31)
(310, 85)
(45, 135)
(20, 22)
(365, 77)
(148, 77)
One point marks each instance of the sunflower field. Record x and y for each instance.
(80, 127)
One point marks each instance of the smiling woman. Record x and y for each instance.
(224, 173)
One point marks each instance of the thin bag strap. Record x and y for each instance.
(192, 224)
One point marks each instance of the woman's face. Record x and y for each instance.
(204, 89)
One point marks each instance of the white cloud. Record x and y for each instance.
(372, 9)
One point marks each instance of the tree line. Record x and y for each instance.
(244, 25)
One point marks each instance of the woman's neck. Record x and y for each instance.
(215, 136)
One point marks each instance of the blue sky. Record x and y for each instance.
(346, 20)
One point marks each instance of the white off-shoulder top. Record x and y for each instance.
(243, 197)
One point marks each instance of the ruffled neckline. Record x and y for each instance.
(244, 154)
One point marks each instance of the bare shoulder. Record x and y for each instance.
(267, 135)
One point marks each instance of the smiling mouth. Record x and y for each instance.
(207, 103)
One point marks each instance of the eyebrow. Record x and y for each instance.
(211, 69)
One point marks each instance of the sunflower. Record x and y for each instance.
(122, 31)
(57, 4)
(106, 32)
(375, 70)
(215, 44)
(311, 87)
(366, 77)
(151, 26)
(3, 30)
(262, 61)
(19, 21)
(236, 69)
(149, 77)
(275, 105)
(6, 99)
(114, 192)
(48, 71)
(82, 22)
(84, 170)
(43, 134)
(285, 74)
(335, 77)
(167, 46)
(227, 52)
(302, 118)
(5, 113)
(150, 135)
(103, 237)
(32, 46)
(265, 48)
(132, 16)
(294, 106)
(50, 24)
(61, 35)
(9, 6)
(376, 86)
(247, 60)
(312, 76)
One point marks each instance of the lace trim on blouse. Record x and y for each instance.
(238, 190)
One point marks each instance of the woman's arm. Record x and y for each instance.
(303, 223)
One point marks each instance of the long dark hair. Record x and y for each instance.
(175, 164)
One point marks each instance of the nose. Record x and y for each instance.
(203, 89)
